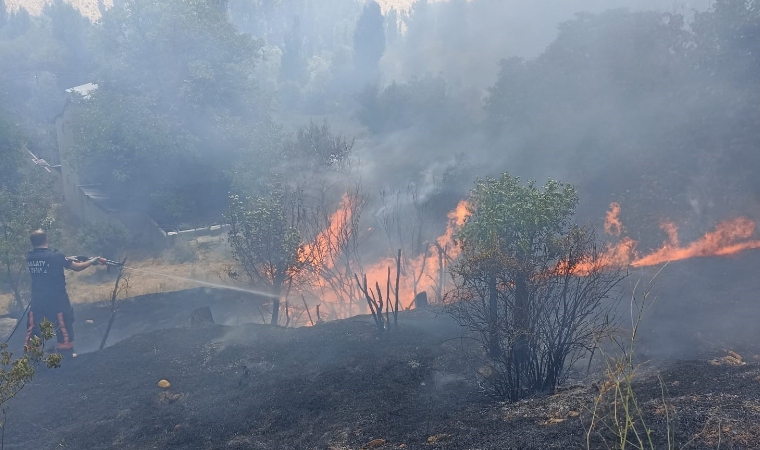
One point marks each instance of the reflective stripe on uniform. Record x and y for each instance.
(30, 329)
(65, 345)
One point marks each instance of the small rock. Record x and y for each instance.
(164, 384)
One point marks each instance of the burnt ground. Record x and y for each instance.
(342, 386)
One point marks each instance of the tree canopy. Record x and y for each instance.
(176, 103)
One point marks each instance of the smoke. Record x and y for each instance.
(632, 106)
(625, 104)
(464, 40)
(461, 43)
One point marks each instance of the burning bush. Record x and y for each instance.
(529, 284)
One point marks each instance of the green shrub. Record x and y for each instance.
(108, 238)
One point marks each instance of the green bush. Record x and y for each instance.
(108, 238)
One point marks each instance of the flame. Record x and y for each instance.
(424, 272)
(724, 241)
(612, 224)
(456, 219)
(319, 251)
(728, 238)
(618, 255)
(428, 271)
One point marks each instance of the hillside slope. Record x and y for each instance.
(341, 386)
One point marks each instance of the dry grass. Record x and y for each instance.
(148, 276)
(89, 286)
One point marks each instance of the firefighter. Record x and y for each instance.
(49, 297)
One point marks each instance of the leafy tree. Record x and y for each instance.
(177, 101)
(266, 241)
(369, 39)
(283, 199)
(293, 60)
(726, 86)
(317, 147)
(509, 102)
(108, 238)
(727, 39)
(529, 283)
(425, 103)
(23, 208)
(310, 46)
(122, 142)
(29, 59)
(585, 107)
(323, 25)
(186, 55)
(25, 205)
(15, 373)
(73, 31)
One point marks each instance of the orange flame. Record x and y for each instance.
(427, 271)
(612, 224)
(728, 238)
(724, 241)
(319, 251)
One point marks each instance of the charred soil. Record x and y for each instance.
(340, 385)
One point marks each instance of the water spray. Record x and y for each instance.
(205, 283)
(109, 263)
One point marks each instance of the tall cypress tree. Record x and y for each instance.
(369, 38)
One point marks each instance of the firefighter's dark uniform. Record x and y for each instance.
(49, 297)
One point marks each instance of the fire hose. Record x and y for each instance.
(106, 262)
